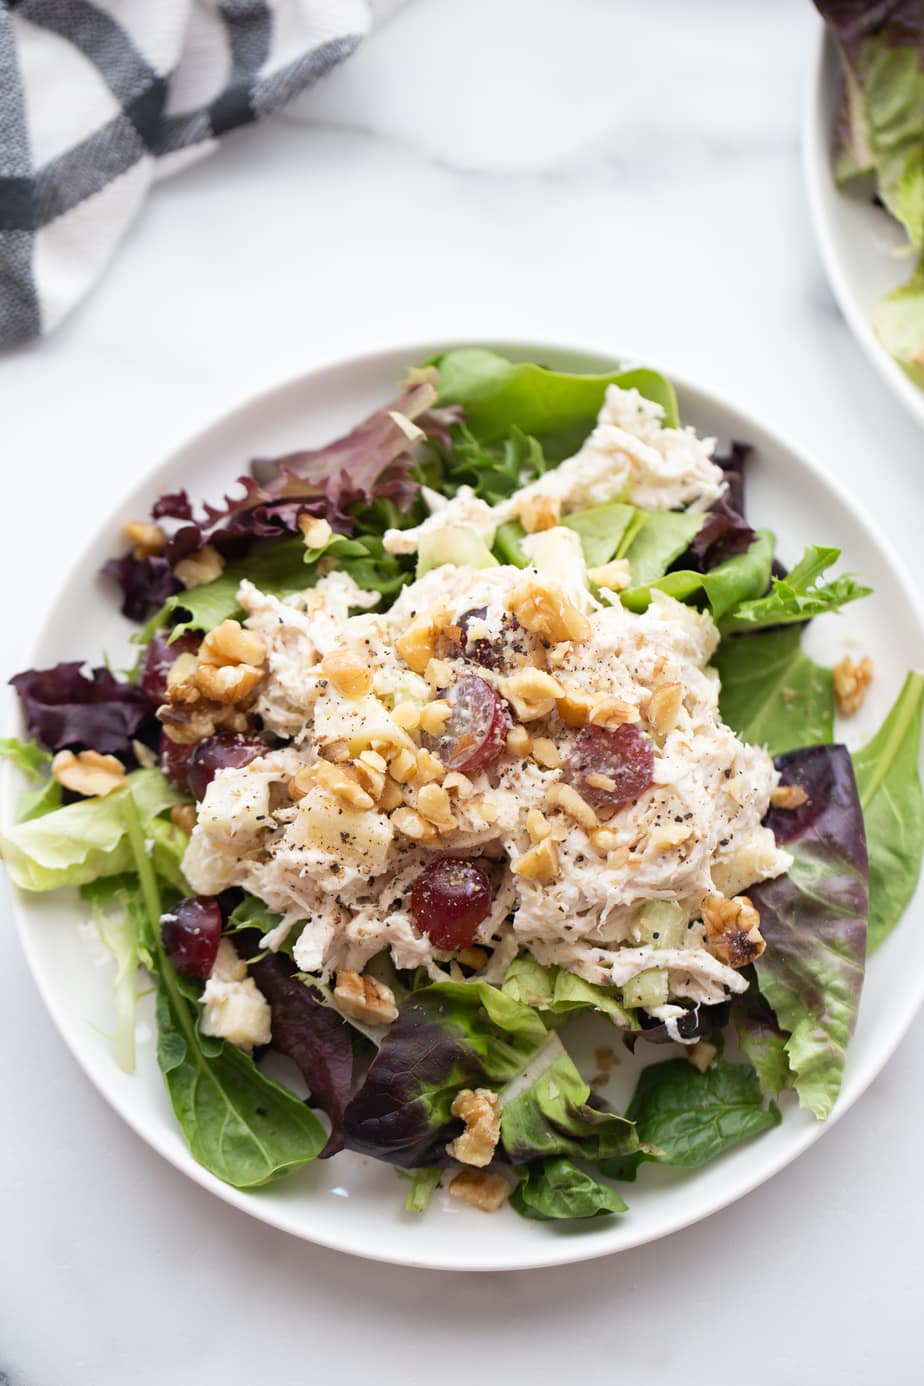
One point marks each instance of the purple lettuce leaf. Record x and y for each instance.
(814, 921)
(724, 532)
(146, 584)
(66, 709)
(314, 1036)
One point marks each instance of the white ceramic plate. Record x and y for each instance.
(352, 1203)
(857, 240)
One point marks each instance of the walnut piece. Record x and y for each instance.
(347, 672)
(566, 798)
(411, 824)
(435, 715)
(417, 645)
(481, 1189)
(317, 532)
(851, 682)
(788, 796)
(614, 576)
(542, 608)
(480, 1109)
(539, 512)
(539, 864)
(574, 707)
(203, 566)
(519, 741)
(545, 753)
(664, 707)
(183, 816)
(733, 929)
(88, 773)
(701, 1055)
(532, 692)
(146, 539)
(365, 998)
(226, 683)
(612, 712)
(230, 643)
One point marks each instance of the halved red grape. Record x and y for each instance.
(191, 933)
(449, 899)
(158, 657)
(174, 761)
(476, 733)
(610, 766)
(490, 652)
(224, 751)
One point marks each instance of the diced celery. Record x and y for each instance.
(649, 988)
(662, 924)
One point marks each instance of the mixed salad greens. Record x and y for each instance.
(880, 139)
(856, 834)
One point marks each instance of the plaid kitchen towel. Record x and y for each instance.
(100, 97)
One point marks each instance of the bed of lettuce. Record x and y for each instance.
(879, 143)
(857, 841)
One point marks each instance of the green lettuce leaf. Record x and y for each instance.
(762, 1041)
(493, 470)
(898, 320)
(546, 1111)
(799, 596)
(557, 993)
(605, 531)
(33, 762)
(424, 1183)
(724, 587)
(557, 407)
(81, 841)
(663, 536)
(559, 1189)
(687, 1118)
(889, 785)
(772, 694)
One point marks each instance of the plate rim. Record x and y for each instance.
(554, 1253)
(816, 175)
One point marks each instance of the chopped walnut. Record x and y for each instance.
(664, 707)
(343, 784)
(537, 825)
(566, 798)
(226, 683)
(183, 816)
(519, 741)
(417, 645)
(539, 864)
(574, 707)
(199, 568)
(146, 539)
(788, 796)
(733, 929)
(670, 835)
(480, 1109)
(545, 753)
(702, 1055)
(406, 716)
(439, 673)
(365, 998)
(541, 607)
(230, 643)
(317, 532)
(481, 1189)
(188, 724)
(403, 766)
(411, 824)
(391, 796)
(434, 804)
(88, 773)
(347, 672)
(614, 576)
(851, 682)
(475, 958)
(435, 715)
(532, 692)
(428, 767)
(613, 712)
(539, 512)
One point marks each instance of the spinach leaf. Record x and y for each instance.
(799, 596)
(663, 536)
(558, 1189)
(498, 394)
(687, 1118)
(889, 783)
(240, 1125)
(546, 1111)
(814, 921)
(724, 587)
(605, 531)
(772, 694)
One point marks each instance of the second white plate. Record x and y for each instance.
(856, 238)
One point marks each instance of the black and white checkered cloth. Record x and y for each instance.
(97, 100)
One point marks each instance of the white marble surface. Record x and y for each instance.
(602, 171)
